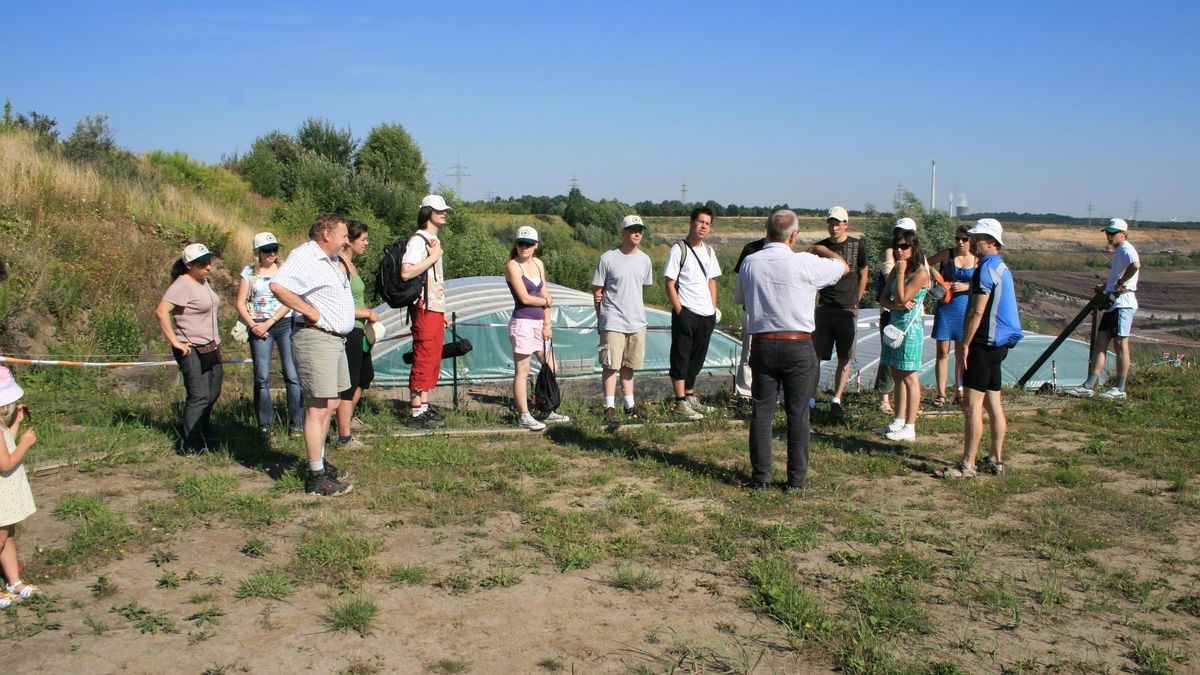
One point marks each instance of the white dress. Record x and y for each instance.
(16, 499)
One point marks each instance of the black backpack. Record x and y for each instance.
(389, 287)
(546, 395)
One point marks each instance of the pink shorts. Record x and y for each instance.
(525, 335)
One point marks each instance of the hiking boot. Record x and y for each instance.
(322, 484)
(555, 418)
(637, 412)
(695, 404)
(426, 420)
(610, 416)
(352, 444)
(1081, 391)
(336, 473)
(358, 425)
(526, 421)
(1113, 394)
(685, 412)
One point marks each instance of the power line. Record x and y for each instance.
(458, 176)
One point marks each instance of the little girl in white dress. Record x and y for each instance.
(16, 499)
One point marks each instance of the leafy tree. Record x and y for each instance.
(92, 141)
(390, 154)
(264, 167)
(318, 136)
(326, 182)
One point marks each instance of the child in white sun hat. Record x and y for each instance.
(16, 499)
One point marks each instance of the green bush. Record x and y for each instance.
(116, 330)
(211, 180)
(324, 181)
(65, 297)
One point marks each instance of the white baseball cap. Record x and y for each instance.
(526, 235)
(437, 202)
(991, 227)
(263, 239)
(10, 391)
(1116, 225)
(906, 224)
(838, 213)
(632, 221)
(195, 253)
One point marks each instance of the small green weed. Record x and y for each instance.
(210, 615)
(355, 614)
(145, 619)
(1151, 660)
(776, 593)
(631, 579)
(103, 588)
(255, 548)
(410, 575)
(168, 580)
(267, 584)
(336, 558)
(504, 578)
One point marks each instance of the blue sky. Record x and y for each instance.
(1039, 107)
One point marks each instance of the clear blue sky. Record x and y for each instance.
(1026, 106)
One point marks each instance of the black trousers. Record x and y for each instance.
(690, 334)
(202, 378)
(790, 365)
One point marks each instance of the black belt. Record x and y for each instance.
(784, 335)
(323, 330)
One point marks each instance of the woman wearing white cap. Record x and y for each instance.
(907, 285)
(270, 324)
(187, 315)
(16, 499)
(529, 328)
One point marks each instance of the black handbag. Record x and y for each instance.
(546, 396)
(450, 350)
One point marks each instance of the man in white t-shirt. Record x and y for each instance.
(690, 274)
(621, 316)
(1117, 322)
(423, 255)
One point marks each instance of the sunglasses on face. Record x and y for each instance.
(962, 239)
(269, 251)
(524, 244)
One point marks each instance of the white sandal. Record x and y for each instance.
(22, 590)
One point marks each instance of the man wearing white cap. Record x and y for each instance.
(1117, 322)
(837, 305)
(315, 284)
(621, 316)
(992, 327)
(423, 256)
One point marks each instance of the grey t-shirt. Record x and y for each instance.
(622, 277)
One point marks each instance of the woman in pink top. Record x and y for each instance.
(187, 315)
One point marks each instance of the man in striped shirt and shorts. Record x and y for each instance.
(315, 283)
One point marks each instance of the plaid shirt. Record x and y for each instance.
(323, 283)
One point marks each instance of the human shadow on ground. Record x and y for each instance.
(602, 440)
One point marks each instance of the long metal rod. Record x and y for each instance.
(1094, 304)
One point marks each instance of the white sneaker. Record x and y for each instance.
(555, 418)
(683, 410)
(526, 421)
(1113, 394)
(904, 433)
(695, 404)
(1081, 391)
(889, 428)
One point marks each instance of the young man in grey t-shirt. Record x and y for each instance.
(621, 315)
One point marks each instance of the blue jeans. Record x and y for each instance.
(260, 351)
(790, 365)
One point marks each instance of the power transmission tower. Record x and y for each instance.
(683, 191)
(458, 176)
(1137, 207)
(896, 196)
(1089, 214)
(574, 182)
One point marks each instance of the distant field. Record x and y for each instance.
(1163, 290)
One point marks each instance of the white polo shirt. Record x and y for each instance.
(779, 288)
(321, 280)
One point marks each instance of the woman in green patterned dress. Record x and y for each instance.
(904, 296)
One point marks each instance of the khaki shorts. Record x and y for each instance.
(622, 350)
(320, 363)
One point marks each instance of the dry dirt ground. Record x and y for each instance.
(547, 620)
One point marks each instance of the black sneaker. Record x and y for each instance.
(610, 416)
(426, 420)
(322, 484)
(436, 412)
(336, 473)
(637, 412)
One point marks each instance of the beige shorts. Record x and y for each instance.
(320, 363)
(622, 350)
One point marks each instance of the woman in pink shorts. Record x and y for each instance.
(529, 329)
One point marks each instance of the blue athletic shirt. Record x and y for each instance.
(1001, 324)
